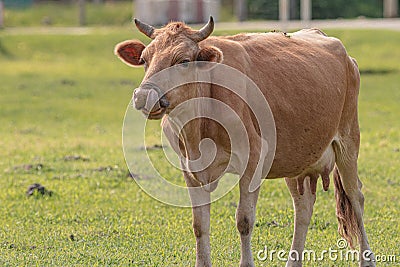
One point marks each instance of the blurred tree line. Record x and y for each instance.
(321, 9)
(264, 9)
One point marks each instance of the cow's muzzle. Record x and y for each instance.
(149, 99)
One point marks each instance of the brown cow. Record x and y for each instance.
(311, 85)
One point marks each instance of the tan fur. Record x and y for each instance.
(311, 85)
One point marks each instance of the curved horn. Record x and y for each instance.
(204, 32)
(145, 28)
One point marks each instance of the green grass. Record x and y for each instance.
(65, 95)
(56, 14)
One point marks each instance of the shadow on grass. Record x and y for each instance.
(4, 51)
(377, 71)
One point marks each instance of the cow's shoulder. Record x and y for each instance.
(234, 52)
(318, 39)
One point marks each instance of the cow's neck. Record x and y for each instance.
(190, 123)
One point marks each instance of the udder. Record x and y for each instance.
(323, 167)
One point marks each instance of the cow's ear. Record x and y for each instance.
(211, 54)
(130, 52)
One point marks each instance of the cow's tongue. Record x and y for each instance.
(152, 103)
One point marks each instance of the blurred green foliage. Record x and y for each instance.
(17, 3)
(321, 9)
(325, 9)
(116, 13)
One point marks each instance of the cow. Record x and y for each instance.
(311, 85)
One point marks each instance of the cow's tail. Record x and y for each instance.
(348, 226)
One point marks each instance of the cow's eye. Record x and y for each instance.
(143, 62)
(184, 63)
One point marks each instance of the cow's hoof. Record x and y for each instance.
(294, 264)
(368, 264)
(369, 261)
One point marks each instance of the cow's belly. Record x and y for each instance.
(307, 165)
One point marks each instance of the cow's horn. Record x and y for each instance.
(145, 28)
(204, 32)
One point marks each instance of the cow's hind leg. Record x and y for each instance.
(245, 218)
(303, 208)
(349, 198)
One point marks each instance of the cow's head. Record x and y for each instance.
(171, 45)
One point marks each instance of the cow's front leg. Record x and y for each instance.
(303, 208)
(245, 218)
(201, 229)
(201, 221)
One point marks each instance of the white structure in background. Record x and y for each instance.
(1, 14)
(390, 8)
(159, 12)
(305, 10)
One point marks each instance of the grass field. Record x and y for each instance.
(56, 14)
(62, 103)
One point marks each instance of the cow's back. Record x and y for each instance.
(304, 77)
